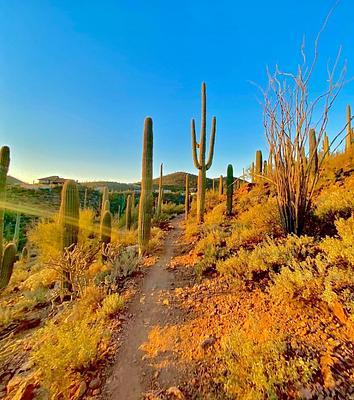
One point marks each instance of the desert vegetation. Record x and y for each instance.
(262, 267)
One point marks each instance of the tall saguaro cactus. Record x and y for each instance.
(313, 157)
(259, 164)
(145, 204)
(160, 198)
(128, 213)
(200, 163)
(229, 189)
(221, 185)
(186, 199)
(349, 138)
(106, 228)
(69, 214)
(7, 255)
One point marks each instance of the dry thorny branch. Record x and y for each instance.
(289, 114)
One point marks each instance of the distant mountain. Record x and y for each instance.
(14, 181)
(177, 180)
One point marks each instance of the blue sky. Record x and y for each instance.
(77, 78)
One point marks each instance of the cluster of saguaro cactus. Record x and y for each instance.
(221, 185)
(128, 212)
(7, 254)
(313, 156)
(160, 196)
(186, 199)
(145, 203)
(200, 163)
(229, 189)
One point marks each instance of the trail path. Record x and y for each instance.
(132, 373)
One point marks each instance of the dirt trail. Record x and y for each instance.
(132, 374)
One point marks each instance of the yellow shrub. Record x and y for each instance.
(110, 305)
(258, 366)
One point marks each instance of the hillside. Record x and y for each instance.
(177, 181)
(14, 181)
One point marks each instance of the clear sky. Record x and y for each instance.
(77, 78)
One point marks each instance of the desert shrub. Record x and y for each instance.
(270, 256)
(260, 365)
(45, 236)
(214, 217)
(110, 305)
(255, 224)
(43, 277)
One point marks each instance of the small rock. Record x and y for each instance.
(208, 342)
(95, 383)
(81, 390)
(156, 374)
(96, 392)
(174, 391)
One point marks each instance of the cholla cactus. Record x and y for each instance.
(200, 163)
(7, 255)
(145, 203)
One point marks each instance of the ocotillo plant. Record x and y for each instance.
(259, 164)
(221, 185)
(186, 199)
(229, 189)
(145, 204)
(7, 255)
(201, 164)
(69, 214)
(313, 157)
(160, 198)
(348, 138)
(106, 229)
(128, 213)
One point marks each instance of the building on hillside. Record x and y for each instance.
(51, 181)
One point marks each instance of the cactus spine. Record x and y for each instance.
(7, 255)
(145, 203)
(259, 164)
(229, 189)
(128, 213)
(313, 157)
(186, 199)
(348, 138)
(221, 185)
(160, 198)
(201, 164)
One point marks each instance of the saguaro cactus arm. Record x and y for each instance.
(212, 143)
(194, 146)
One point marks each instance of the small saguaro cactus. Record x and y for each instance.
(106, 229)
(229, 189)
(145, 203)
(325, 146)
(265, 168)
(7, 254)
(259, 164)
(349, 136)
(221, 185)
(252, 173)
(160, 197)
(16, 236)
(313, 157)
(201, 164)
(186, 199)
(85, 199)
(128, 213)
(106, 206)
(69, 214)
